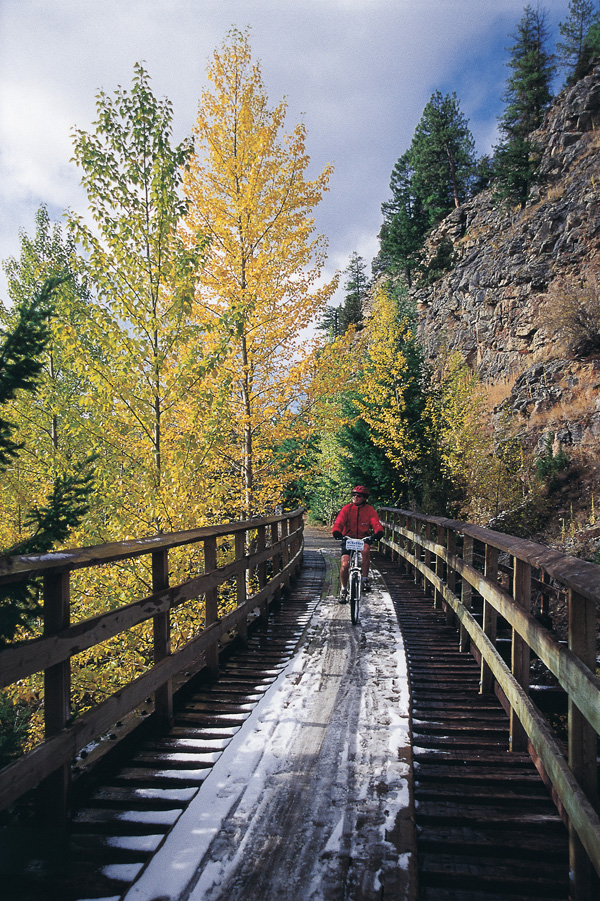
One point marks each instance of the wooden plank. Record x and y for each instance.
(163, 696)
(17, 568)
(57, 699)
(490, 617)
(30, 770)
(581, 575)
(583, 741)
(520, 653)
(39, 654)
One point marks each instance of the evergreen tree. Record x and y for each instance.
(405, 223)
(574, 49)
(51, 522)
(443, 156)
(20, 363)
(528, 97)
(330, 322)
(357, 286)
(433, 177)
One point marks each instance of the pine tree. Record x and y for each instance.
(356, 286)
(442, 156)
(528, 97)
(50, 522)
(20, 363)
(405, 224)
(574, 50)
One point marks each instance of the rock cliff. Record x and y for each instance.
(492, 305)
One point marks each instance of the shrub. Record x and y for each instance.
(573, 314)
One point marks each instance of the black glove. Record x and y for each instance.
(337, 535)
(379, 536)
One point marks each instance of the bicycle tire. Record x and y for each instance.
(355, 592)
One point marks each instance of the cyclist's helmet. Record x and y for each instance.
(360, 489)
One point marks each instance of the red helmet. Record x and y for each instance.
(360, 489)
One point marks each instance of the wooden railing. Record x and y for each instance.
(269, 550)
(456, 561)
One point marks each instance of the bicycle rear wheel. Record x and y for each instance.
(355, 591)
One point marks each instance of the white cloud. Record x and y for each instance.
(358, 72)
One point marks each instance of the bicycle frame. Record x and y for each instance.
(355, 546)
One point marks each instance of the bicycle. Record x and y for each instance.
(355, 546)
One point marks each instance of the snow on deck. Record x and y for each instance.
(311, 800)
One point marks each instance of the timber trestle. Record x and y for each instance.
(529, 616)
(487, 829)
(124, 813)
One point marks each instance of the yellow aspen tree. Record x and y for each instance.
(248, 191)
(391, 401)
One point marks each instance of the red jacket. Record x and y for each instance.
(356, 521)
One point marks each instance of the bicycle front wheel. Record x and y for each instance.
(355, 591)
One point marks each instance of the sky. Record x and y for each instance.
(358, 73)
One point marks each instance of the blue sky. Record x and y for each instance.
(357, 72)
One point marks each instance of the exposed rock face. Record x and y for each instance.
(490, 306)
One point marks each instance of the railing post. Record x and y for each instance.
(450, 573)
(261, 543)
(418, 550)
(163, 696)
(240, 582)
(439, 566)
(57, 698)
(466, 591)
(520, 656)
(490, 617)
(583, 742)
(211, 601)
(275, 559)
(285, 554)
(395, 555)
(426, 582)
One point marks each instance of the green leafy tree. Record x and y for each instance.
(443, 156)
(140, 348)
(528, 96)
(575, 48)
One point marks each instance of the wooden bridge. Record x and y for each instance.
(482, 786)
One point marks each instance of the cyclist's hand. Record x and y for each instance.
(338, 536)
(379, 536)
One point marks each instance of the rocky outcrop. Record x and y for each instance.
(490, 305)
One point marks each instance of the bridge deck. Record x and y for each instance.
(309, 798)
(290, 776)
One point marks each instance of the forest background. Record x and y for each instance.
(158, 372)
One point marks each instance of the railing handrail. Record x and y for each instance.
(581, 575)
(52, 652)
(452, 576)
(17, 568)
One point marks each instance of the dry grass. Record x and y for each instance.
(572, 312)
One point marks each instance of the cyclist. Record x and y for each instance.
(356, 520)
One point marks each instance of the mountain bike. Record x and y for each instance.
(354, 547)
